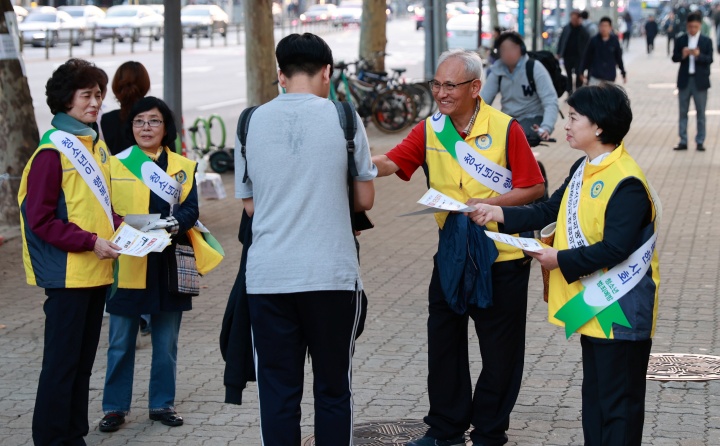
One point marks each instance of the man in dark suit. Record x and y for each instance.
(571, 47)
(695, 54)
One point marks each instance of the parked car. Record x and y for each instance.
(462, 32)
(48, 24)
(319, 13)
(349, 12)
(86, 16)
(128, 21)
(204, 19)
(20, 12)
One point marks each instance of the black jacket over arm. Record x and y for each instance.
(702, 62)
(627, 213)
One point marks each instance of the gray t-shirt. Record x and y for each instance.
(297, 168)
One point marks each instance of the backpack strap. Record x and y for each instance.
(346, 114)
(530, 71)
(242, 131)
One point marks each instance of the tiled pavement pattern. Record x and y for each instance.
(390, 362)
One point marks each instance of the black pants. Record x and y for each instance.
(73, 319)
(572, 67)
(501, 333)
(613, 391)
(650, 44)
(285, 327)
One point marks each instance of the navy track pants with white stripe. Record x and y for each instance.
(285, 327)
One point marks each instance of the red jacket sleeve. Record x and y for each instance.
(524, 167)
(43, 191)
(410, 153)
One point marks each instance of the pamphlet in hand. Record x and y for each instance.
(526, 244)
(136, 243)
(439, 202)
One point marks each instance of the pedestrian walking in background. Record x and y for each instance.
(694, 52)
(603, 56)
(66, 222)
(651, 31)
(627, 31)
(671, 31)
(606, 216)
(590, 26)
(571, 46)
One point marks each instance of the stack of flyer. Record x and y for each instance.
(136, 239)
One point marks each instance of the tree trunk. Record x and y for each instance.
(17, 124)
(373, 37)
(494, 20)
(260, 63)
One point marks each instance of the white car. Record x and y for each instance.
(46, 25)
(128, 21)
(462, 32)
(319, 13)
(204, 19)
(349, 12)
(85, 16)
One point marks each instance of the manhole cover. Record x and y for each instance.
(383, 433)
(683, 367)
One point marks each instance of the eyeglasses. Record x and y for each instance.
(139, 123)
(449, 86)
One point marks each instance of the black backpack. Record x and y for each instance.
(551, 64)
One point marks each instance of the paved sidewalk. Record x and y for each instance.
(390, 362)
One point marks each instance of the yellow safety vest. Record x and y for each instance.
(131, 196)
(489, 136)
(599, 185)
(47, 266)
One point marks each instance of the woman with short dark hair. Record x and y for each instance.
(66, 220)
(604, 278)
(150, 178)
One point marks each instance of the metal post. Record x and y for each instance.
(70, 43)
(172, 61)
(521, 17)
(212, 33)
(47, 45)
(132, 40)
(114, 37)
(150, 40)
(92, 41)
(197, 39)
(536, 24)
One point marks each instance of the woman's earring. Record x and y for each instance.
(597, 133)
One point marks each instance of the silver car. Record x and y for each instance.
(128, 21)
(48, 26)
(204, 19)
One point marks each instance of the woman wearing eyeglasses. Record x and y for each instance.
(142, 282)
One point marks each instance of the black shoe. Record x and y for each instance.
(111, 422)
(680, 147)
(700, 148)
(171, 419)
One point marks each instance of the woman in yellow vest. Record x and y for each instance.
(143, 286)
(66, 220)
(604, 276)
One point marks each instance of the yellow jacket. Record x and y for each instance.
(641, 303)
(131, 196)
(47, 266)
(489, 136)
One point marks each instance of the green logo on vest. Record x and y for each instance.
(597, 187)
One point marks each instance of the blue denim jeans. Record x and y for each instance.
(121, 362)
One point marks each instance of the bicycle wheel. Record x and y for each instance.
(393, 111)
(426, 106)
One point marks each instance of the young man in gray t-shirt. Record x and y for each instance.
(303, 277)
